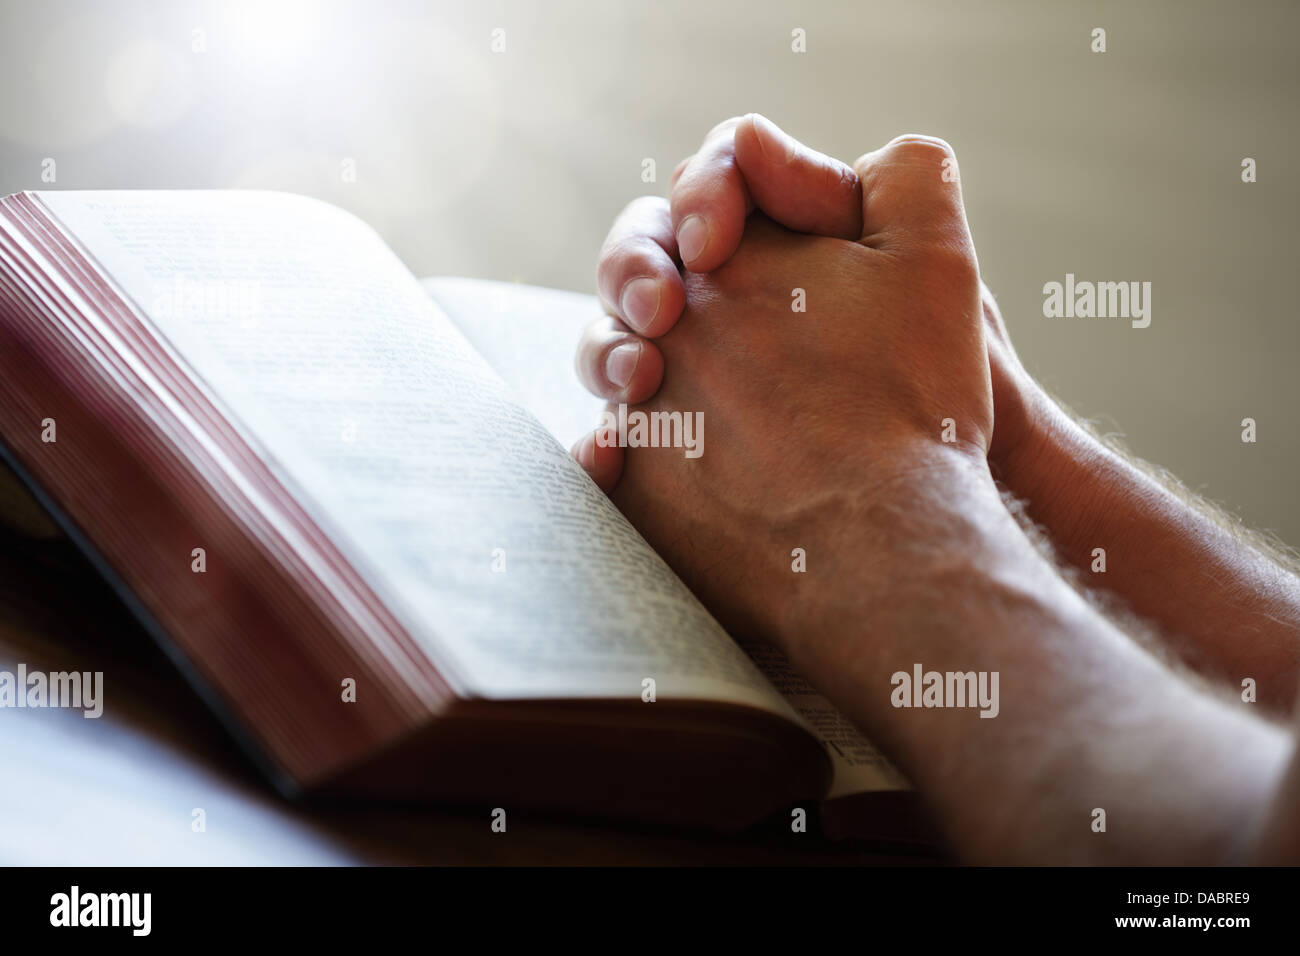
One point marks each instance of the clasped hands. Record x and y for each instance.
(860, 396)
(830, 324)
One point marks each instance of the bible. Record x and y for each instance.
(341, 501)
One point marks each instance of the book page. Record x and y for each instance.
(460, 510)
(529, 335)
(857, 765)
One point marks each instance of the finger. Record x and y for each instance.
(710, 201)
(798, 187)
(602, 460)
(616, 364)
(911, 193)
(677, 173)
(636, 273)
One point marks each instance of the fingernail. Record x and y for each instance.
(692, 237)
(640, 302)
(773, 143)
(621, 363)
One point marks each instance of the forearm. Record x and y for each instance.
(1086, 719)
(1234, 610)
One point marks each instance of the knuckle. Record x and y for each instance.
(643, 206)
(634, 219)
(918, 149)
(593, 335)
(838, 177)
(727, 126)
(627, 252)
(909, 149)
(950, 259)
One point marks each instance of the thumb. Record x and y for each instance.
(798, 187)
(911, 193)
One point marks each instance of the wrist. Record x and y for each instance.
(1055, 465)
(881, 560)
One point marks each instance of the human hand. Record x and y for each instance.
(823, 426)
(746, 163)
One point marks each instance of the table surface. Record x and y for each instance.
(121, 789)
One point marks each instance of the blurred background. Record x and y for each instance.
(1123, 165)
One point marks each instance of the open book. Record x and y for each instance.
(342, 502)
